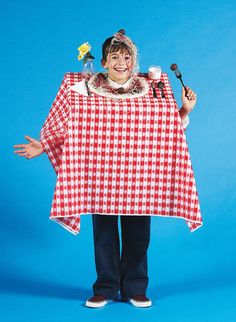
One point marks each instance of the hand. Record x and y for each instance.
(30, 150)
(188, 100)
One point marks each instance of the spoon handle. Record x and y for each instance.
(154, 90)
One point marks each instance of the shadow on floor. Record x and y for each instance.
(13, 283)
(32, 285)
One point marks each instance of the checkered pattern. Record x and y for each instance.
(118, 157)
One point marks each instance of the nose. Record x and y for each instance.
(121, 60)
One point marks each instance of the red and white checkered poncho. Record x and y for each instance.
(118, 156)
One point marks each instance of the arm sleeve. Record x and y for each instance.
(54, 130)
(185, 122)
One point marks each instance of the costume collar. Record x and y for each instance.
(102, 85)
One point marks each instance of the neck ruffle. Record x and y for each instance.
(101, 84)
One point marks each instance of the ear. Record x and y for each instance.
(104, 63)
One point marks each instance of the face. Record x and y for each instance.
(119, 66)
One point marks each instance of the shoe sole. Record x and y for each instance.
(95, 304)
(140, 303)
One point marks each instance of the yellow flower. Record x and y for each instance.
(83, 50)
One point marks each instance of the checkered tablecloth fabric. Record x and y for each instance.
(118, 157)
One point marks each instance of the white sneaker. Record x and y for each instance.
(97, 301)
(140, 301)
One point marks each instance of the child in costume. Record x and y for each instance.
(118, 149)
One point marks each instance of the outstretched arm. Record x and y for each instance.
(33, 149)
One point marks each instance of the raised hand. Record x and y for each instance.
(30, 150)
(188, 100)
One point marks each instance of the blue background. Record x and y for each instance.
(46, 273)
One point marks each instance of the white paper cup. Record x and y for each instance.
(154, 72)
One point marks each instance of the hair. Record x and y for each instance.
(108, 48)
(113, 44)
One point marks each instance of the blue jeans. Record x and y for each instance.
(125, 272)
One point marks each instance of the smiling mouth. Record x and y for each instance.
(120, 69)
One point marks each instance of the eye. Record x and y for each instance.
(127, 58)
(114, 57)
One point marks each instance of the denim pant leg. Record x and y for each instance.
(135, 242)
(107, 255)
